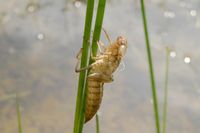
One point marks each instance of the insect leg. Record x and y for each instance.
(101, 46)
(107, 36)
(82, 69)
(78, 63)
(101, 77)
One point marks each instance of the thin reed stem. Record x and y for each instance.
(18, 115)
(165, 106)
(82, 90)
(80, 103)
(98, 25)
(150, 62)
(96, 37)
(97, 124)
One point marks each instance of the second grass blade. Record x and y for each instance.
(164, 124)
(79, 114)
(150, 62)
(96, 37)
(18, 114)
(97, 124)
(98, 25)
(81, 96)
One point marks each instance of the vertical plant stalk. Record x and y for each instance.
(150, 62)
(97, 124)
(98, 25)
(82, 91)
(80, 102)
(96, 37)
(165, 106)
(18, 115)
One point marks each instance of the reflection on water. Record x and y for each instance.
(173, 54)
(37, 55)
(77, 4)
(40, 36)
(169, 14)
(193, 13)
(32, 7)
(187, 60)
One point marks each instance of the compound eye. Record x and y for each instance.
(121, 40)
(122, 49)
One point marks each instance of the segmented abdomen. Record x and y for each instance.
(94, 97)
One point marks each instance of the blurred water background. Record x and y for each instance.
(38, 44)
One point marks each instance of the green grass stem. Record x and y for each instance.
(150, 62)
(18, 115)
(96, 37)
(165, 106)
(98, 25)
(82, 91)
(97, 124)
(79, 114)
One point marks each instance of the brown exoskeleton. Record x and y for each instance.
(100, 72)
